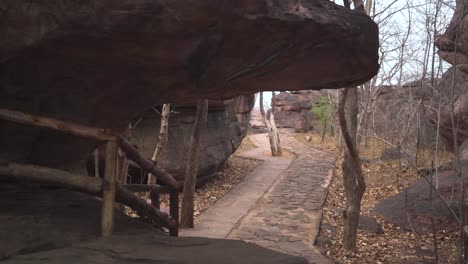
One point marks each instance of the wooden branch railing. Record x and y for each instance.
(55, 124)
(146, 164)
(156, 188)
(92, 133)
(84, 184)
(111, 185)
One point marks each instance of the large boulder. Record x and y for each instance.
(225, 129)
(439, 112)
(293, 109)
(453, 47)
(103, 62)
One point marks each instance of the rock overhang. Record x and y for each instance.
(102, 62)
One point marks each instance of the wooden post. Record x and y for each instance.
(108, 194)
(96, 162)
(174, 211)
(162, 140)
(191, 171)
(122, 179)
(154, 195)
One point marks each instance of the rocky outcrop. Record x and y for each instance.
(226, 127)
(439, 102)
(292, 109)
(453, 47)
(102, 63)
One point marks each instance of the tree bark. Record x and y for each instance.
(352, 171)
(191, 171)
(162, 140)
(353, 177)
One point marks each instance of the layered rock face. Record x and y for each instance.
(394, 106)
(103, 62)
(292, 109)
(453, 82)
(226, 127)
(453, 47)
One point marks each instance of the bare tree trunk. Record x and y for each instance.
(273, 134)
(186, 220)
(162, 140)
(324, 130)
(352, 172)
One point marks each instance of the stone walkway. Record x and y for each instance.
(218, 220)
(286, 215)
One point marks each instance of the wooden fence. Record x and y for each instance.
(108, 188)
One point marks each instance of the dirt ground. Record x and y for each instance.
(379, 241)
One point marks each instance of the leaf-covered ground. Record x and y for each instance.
(384, 179)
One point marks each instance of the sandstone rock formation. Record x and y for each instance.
(453, 47)
(101, 63)
(104, 62)
(439, 101)
(226, 127)
(292, 109)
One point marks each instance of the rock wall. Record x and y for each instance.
(226, 127)
(292, 109)
(453, 48)
(440, 100)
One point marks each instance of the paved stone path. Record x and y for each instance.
(218, 220)
(287, 218)
(286, 215)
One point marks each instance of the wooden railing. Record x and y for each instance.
(108, 188)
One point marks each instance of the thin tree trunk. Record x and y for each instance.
(274, 136)
(273, 133)
(324, 130)
(162, 140)
(352, 171)
(186, 220)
